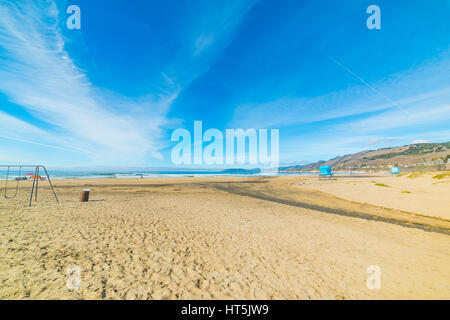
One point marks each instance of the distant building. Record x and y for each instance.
(433, 163)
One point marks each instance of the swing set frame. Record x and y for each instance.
(35, 185)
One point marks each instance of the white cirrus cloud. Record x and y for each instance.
(418, 141)
(38, 74)
(424, 88)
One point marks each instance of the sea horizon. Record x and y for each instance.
(137, 174)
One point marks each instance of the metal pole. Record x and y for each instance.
(37, 184)
(6, 182)
(50, 182)
(35, 180)
(17, 185)
(32, 188)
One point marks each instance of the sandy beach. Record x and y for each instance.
(290, 237)
(420, 193)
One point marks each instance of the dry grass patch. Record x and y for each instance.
(381, 185)
(416, 174)
(442, 176)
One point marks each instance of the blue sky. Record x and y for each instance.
(113, 92)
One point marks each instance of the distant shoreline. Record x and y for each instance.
(138, 175)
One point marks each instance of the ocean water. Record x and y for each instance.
(56, 174)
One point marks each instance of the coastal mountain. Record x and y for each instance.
(241, 171)
(292, 168)
(417, 156)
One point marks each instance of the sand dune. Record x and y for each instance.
(205, 238)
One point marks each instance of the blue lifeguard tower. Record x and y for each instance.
(325, 172)
(395, 170)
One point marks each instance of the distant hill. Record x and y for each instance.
(415, 156)
(241, 171)
(291, 168)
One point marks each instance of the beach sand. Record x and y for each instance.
(227, 238)
(414, 192)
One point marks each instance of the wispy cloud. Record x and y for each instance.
(330, 144)
(382, 141)
(38, 74)
(423, 90)
(215, 24)
(15, 130)
(420, 141)
(368, 85)
(219, 22)
(358, 118)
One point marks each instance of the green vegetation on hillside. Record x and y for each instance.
(417, 149)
